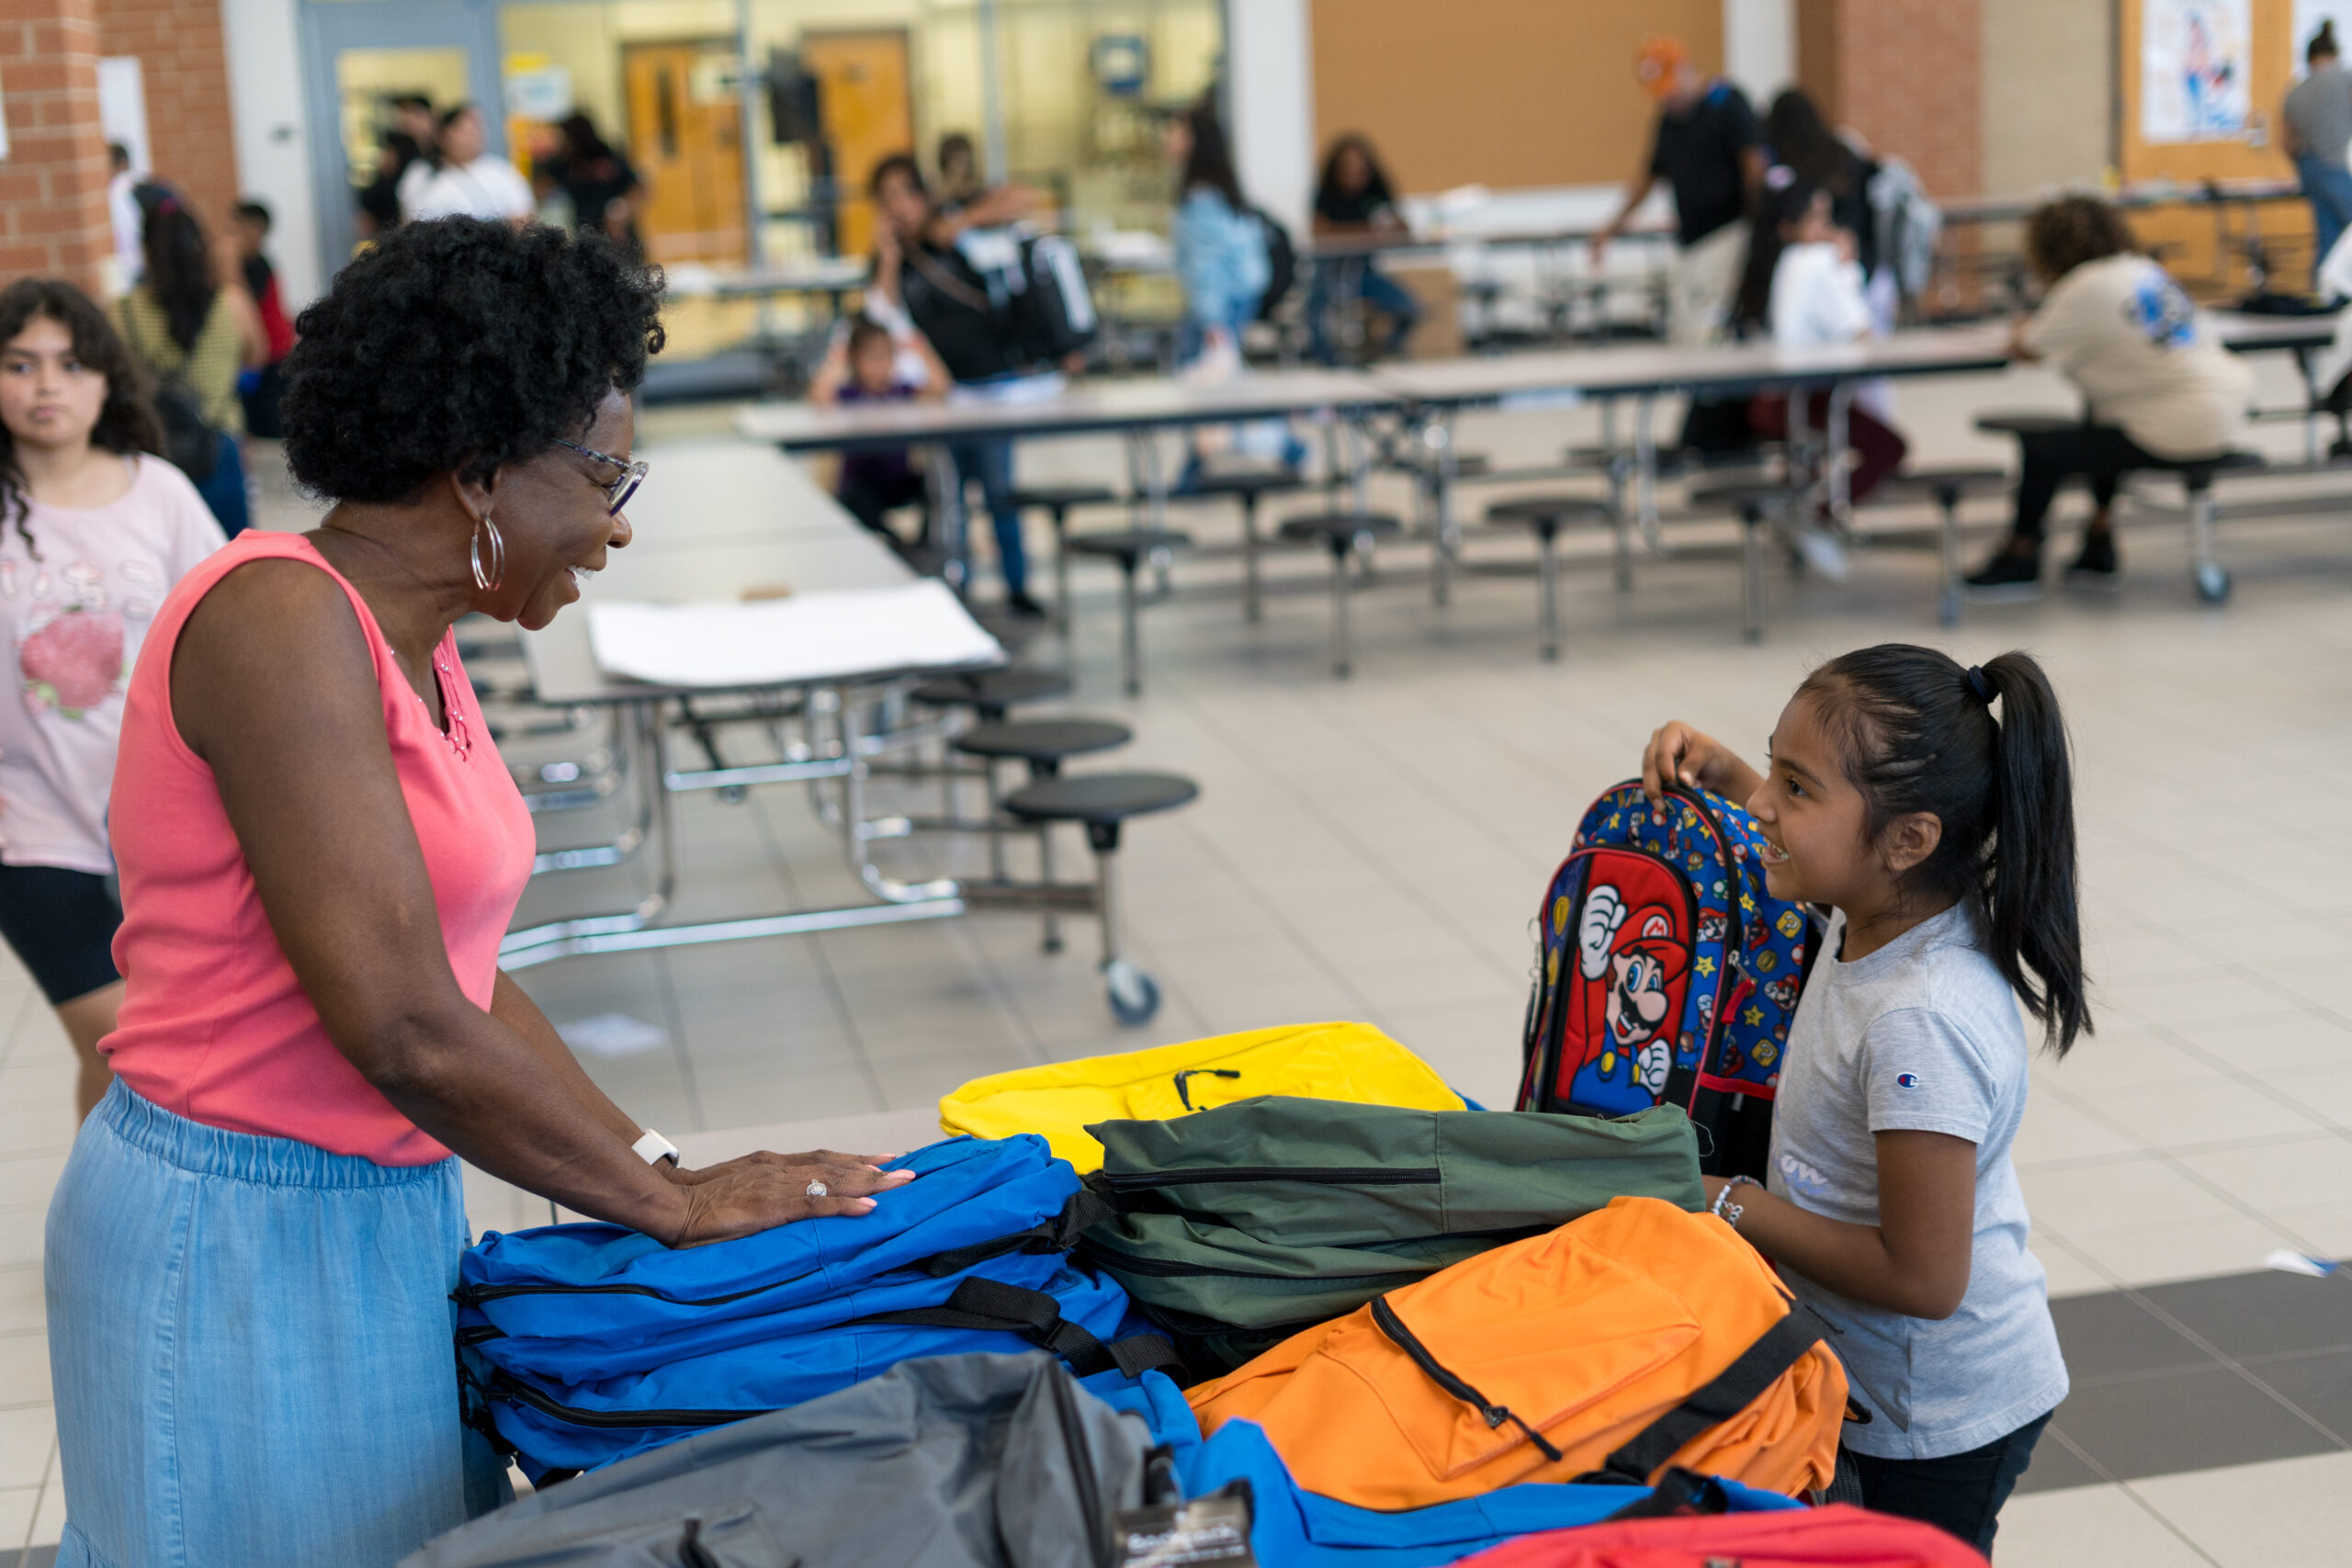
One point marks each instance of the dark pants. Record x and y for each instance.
(1961, 1494)
(991, 464)
(223, 488)
(1877, 446)
(1340, 280)
(2100, 453)
(868, 497)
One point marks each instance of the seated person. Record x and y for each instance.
(2333, 369)
(1352, 200)
(2161, 389)
(866, 365)
(1816, 300)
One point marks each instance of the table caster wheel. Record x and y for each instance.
(1133, 996)
(2213, 581)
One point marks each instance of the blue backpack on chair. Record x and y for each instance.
(1666, 974)
(582, 1343)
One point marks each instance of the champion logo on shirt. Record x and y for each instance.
(1907, 1080)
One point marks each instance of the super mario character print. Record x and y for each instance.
(1632, 952)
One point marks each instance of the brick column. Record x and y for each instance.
(1907, 75)
(184, 68)
(53, 181)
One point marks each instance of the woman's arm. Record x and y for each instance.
(1914, 1262)
(306, 776)
(998, 205)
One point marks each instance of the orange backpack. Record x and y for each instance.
(1634, 1338)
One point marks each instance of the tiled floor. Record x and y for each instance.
(1374, 850)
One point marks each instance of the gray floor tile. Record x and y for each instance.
(2262, 1314)
(2056, 1465)
(2111, 1335)
(2169, 1422)
(2319, 1384)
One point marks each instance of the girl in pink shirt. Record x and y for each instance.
(94, 530)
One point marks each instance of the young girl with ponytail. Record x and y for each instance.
(1929, 810)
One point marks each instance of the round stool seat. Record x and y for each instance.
(1245, 481)
(1127, 545)
(1466, 465)
(2208, 467)
(1101, 800)
(1738, 494)
(2030, 422)
(1044, 740)
(1959, 480)
(1338, 527)
(1548, 511)
(1061, 497)
(993, 689)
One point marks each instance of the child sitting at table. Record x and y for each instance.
(868, 364)
(1815, 300)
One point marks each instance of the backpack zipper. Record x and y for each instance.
(1081, 1464)
(1384, 1317)
(1323, 1175)
(505, 1385)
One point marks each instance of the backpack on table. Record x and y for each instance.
(1240, 1225)
(1839, 1536)
(1666, 973)
(583, 1343)
(1634, 1340)
(1318, 1061)
(1036, 288)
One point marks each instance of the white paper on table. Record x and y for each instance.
(811, 636)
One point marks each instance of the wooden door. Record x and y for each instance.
(867, 109)
(685, 136)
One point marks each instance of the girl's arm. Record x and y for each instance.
(825, 386)
(1914, 1262)
(934, 370)
(1678, 754)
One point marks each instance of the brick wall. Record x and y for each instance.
(53, 182)
(1908, 76)
(184, 69)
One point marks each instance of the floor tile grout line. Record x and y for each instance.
(47, 1469)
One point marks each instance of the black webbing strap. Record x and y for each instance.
(993, 1305)
(1085, 1208)
(1732, 1391)
(1679, 1493)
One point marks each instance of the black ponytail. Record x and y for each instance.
(1918, 733)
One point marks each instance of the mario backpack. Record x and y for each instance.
(1666, 975)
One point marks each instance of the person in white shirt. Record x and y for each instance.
(1816, 300)
(2159, 386)
(463, 180)
(122, 210)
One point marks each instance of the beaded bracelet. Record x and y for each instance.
(1725, 1210)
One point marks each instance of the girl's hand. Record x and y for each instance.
(1678, 754)
(762, 1191)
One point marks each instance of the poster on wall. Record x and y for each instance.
(2195, 69)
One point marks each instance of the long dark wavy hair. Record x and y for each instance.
(127, 422)
(179, 268)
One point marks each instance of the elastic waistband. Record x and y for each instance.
(246, 1157)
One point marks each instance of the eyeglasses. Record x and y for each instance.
(617, 493)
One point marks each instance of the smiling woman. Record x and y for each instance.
(250, 1252)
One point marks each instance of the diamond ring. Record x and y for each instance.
(816, 1190)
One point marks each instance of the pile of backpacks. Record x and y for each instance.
(1281, 1297)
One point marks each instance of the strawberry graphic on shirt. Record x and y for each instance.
(71, 661)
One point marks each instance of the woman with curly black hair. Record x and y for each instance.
(94, 528)
(251, 1250)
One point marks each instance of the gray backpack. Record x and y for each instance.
(957, 1461)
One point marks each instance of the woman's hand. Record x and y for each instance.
(1678, 754)
(763, 1191)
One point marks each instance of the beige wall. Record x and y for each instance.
(2049, 89)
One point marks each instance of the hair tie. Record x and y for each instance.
(1981, 686)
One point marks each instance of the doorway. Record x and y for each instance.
(865, 104)
(685, 136)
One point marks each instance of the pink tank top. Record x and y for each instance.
(214, 1025)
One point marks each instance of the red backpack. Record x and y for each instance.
(1839, 1536)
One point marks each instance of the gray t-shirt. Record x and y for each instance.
(2319, 111)
(1922, 1035)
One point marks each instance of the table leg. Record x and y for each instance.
(947, 506)
(1833, 456)
(1646, 466)
(1439, 436)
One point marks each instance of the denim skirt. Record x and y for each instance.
(250, 1343)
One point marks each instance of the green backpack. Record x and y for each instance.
(1240, 1226)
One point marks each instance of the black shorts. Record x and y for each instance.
(62, 924)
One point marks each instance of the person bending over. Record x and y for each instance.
(2158, 385)
(866, 365)
(1929, 810)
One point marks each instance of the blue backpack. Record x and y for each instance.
(1666, 974)
(583, 1343)
(1302, 1530)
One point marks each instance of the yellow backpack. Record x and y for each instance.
(1313, 1060)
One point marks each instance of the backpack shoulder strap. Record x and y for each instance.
(1085, 1209)
(982, 1303)
(1732, 1391)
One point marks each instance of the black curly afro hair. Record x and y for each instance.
(457, 345)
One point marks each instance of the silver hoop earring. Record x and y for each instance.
(487, 581)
